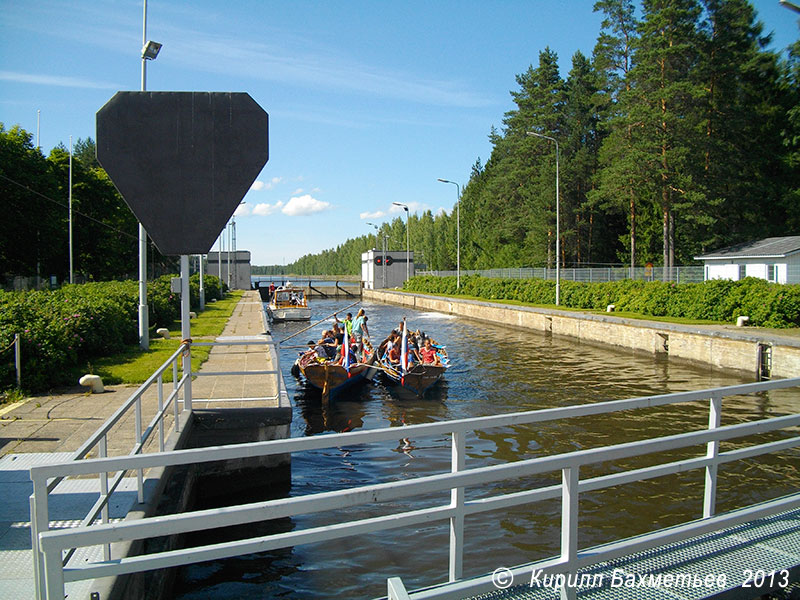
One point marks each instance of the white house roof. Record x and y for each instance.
(774, 247)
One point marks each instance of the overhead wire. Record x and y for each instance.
(59, 203)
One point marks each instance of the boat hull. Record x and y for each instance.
(419, 379)
(299, 313)
(332, 379)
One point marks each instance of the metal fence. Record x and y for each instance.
(179, 363)
(50, 545)
(688, 274)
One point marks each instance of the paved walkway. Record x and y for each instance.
(46, 429)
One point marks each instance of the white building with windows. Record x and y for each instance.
(775, 259)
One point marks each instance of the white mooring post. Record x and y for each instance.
(186, 333)
(18, 359)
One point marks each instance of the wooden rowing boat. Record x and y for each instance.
(418, 379)
(332, 379)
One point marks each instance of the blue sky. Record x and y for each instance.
(369, 101)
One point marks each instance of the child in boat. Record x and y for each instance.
(429, 355)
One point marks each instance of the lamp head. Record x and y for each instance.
(151, 50)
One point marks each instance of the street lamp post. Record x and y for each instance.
(150, 50)
(376, 248)
(558, 229)
(71, 264)
(376, 234)
(408, 255)
(789, 5)
(458, 231)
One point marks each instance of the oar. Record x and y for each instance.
(318, 322)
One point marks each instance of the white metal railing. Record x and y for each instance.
(682, 274)
(52, 544)
(181, 382)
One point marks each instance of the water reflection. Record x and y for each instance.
(497, 370)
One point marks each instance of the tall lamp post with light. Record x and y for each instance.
(458, 231)
(376, 234)
(408, 246)
(558, 229)
(150, 50)
(382, 258)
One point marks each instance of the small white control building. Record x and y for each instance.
(775, 259)
(232, 267)
(388, 269)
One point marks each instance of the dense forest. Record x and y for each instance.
(680, 134)
(34, 228)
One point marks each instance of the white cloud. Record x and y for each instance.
(378, 214)
(259, 185)
(57, 80)
(304, 205)
(263, 209)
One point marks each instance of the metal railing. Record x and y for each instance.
(684, 274)
(52, 544)
(181, 382)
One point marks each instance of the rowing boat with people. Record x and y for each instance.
(412, 360)
(335, 367)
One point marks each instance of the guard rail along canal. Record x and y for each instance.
(452, 506)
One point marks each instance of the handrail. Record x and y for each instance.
(40, 522)
(86, 447)
(53, 542)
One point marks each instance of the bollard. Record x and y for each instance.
(163, 332)
(610, 308)
(94, 382)
(742, 321)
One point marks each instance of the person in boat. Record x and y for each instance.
(359, 329)
(271, 290)
(353, 355)
(348, 322)
(386, 344)
(326, 346)
(393, 355)
(338, 334)
(429, 355)
(413, 350)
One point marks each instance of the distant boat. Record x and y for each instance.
(288, 304)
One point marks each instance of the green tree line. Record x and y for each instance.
(34, 229)
(679, 135)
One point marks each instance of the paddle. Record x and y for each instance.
(318, 322)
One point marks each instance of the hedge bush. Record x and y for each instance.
(63, 328)
(767, 304)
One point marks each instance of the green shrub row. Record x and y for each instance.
(63, 328)
(767, 304)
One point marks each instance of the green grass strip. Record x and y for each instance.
(134, 366)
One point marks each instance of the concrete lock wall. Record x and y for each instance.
(722, 349)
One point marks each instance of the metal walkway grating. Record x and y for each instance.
(70, 501)
(766, 544)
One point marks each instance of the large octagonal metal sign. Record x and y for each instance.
(182, 160)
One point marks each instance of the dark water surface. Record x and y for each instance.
(495, 370)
